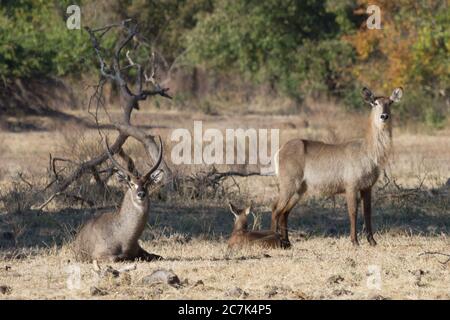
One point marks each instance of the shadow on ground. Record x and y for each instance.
(311, 219)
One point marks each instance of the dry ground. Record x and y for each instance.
(191, 234)
(317, 268)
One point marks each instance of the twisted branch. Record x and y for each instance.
(113, 72)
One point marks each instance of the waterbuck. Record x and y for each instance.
(352, 168)
(114, 236)
(241, 236)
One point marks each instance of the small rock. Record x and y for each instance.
(350, 262)
(97, 292)
(110, 270)
(272, 292)
(419, 283)
(162, 276)
(418, 272)
(237, 292)
(301, 295)
(265, 255)
(7, 268)
(157, 292)
(378, 297)
(5, 289)
(342, 292)
(335, 279)
(198, 283)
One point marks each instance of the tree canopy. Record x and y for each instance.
(299, 47)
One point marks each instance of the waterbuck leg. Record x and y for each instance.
(279, 207)
(352, 207)
(366, 196)
(145, 256)
(284, 219)
(274, 220)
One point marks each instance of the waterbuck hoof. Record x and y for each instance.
(148, 257)
(372, 241)
(285, 244)
(153, 257)
(355, 243)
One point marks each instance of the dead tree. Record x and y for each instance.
(129, 101)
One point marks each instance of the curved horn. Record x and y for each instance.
(158, 162)
(115, 163)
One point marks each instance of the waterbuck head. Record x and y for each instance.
(381, 106)
(136, 183)
(240, 217)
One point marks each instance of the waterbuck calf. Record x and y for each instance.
(114, 236)
(352, 167)
(241, 236)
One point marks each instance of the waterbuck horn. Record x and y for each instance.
(158, 162)
(115, 163)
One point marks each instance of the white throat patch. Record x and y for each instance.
(137, 205)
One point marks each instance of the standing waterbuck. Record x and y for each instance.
(242, 236)
(352, 168)
(114, 236)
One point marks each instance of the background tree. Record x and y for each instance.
(298, 48)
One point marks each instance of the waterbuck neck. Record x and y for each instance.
(134, 214)
(378, 140)
(240, 227)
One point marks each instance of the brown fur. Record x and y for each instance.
(114, 236)
(352, 168)
(241, 236)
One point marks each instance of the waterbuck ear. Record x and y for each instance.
(233, 210)
(367, 95)
(396, 94)
(157, 176)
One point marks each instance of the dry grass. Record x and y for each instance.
(190, 234)
(311, 270)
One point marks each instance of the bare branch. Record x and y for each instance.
(42, 206)
(114, 161)
(22, 178)
(439, 254)
(110, 26)
(129, 102)
(104, 70)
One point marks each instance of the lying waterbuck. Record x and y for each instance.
(352, 167)
(241, 236)
(114, 236)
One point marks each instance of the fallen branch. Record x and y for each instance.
(437, 253)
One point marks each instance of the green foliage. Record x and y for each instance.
(266, 41)
(420, 105)
(412, 51)
(164, 23)
(431, 63)
(34, 41)
(300, 48)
